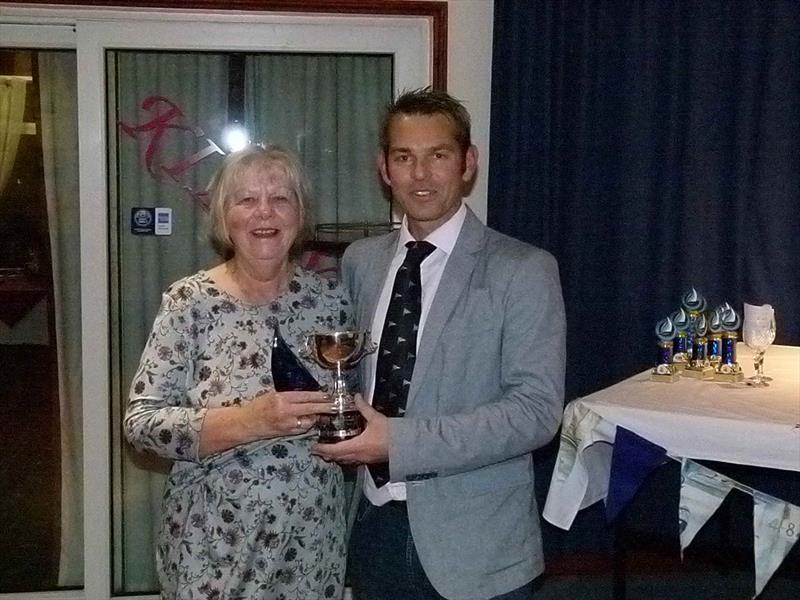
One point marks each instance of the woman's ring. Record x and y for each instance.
(299, 423)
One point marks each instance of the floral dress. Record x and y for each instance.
(261, 520)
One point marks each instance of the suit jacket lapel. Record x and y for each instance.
(372, 273)
(374, 276)
(455, 279)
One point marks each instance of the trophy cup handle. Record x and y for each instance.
(307, 351)
(366, 348)
(370, 346)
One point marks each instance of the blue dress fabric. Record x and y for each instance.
(264, 519)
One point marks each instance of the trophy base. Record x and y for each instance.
(340, 426)
(665, 373)
(730, 372)
(734, 377)
(664, 377)
(699, 372)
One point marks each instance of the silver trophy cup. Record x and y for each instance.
(339, 351)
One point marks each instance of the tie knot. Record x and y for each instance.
(418, 251)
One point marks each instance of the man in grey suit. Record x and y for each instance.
(479, 388)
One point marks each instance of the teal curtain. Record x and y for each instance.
(59, 111)
(327, 108)
(195, 84)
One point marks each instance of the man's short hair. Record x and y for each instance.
(427, 101)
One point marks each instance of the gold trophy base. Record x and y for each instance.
(706, 372)
(339, 426)
(664, 373)
(664, 378)
(733, 377)
(730, 372)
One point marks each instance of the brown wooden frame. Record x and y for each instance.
(435, 11)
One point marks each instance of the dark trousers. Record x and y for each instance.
(383, 563)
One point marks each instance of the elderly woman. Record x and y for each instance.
(248, 512)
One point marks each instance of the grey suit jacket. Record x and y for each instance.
(487, 389)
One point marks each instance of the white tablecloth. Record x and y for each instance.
(690, 418)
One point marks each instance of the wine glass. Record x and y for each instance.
(771, 339)
(758, 332)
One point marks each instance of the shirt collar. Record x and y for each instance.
(443, 237)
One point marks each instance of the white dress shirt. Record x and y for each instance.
(444, 238)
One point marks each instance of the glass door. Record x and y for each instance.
(169, 108)
(171, 115)
(41, 508)
(124, 112)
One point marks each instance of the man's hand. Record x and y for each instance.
(371, 446)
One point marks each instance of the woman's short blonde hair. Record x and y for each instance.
(224, 182)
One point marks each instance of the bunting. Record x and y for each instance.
(776, 523)
(633, 459)
(775, 531)
(702, 493)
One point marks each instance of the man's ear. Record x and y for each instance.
(470, 164)
(382, 168)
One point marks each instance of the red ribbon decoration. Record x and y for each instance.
(156, 128)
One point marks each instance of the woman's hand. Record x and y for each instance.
(268, 415)
(277, 414)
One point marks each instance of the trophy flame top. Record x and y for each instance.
(680, 319)
(731, 321)
(701, 326)
(715, 322)
(693, 301)
(665, 329)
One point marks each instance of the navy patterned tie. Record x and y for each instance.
(398, 349)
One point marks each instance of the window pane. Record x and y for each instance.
(327, 108)
(40, 332)
(170, 111)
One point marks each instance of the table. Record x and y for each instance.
(19, 293)
(706, 420)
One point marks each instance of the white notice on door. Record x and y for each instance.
(163, 224)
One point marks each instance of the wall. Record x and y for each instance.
(469, 78)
